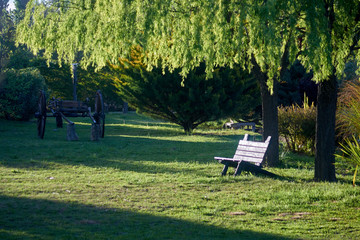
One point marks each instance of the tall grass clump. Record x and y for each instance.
(348, 110)
(351, 153)
(297, 127)
(348, 124)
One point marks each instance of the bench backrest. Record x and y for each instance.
(71, 106)
(251, 151)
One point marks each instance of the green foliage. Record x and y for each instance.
(19, 93)
(7, 38)
(19, 12)
(59, 81)
(187, 102)
(297, 126)
(351, 153)
(185, 33)
(20, 57)
(182, 34)
(12, 56)
(173, 33)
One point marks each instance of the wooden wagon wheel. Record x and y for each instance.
(99, 114)
(41, 115)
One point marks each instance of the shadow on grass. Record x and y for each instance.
(23, 218)
(137, 148)
(137, 154)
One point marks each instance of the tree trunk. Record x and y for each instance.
(325, 130)
(269, 116)
(270, 121)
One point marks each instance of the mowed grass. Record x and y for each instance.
(148, 180)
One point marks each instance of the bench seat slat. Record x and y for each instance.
(253, 144)
(250, 149)
(249, 155)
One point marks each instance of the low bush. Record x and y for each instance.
(297, 126)
(19, 93)
(189, 101)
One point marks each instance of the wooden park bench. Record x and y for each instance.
(248, 157)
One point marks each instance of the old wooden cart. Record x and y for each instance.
(62, 109)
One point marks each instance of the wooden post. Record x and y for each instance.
(95, 132)
(224, 171)
(71, 134)
(70, 130)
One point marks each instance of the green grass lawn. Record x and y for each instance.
(148, 180)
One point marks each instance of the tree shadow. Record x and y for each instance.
(24, 218)
(125, 147)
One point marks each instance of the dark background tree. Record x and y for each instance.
(19, 93)
(3, 5)
(191, 101)
(59, 82)
(7, 35)
(296, 84)
(19, 11)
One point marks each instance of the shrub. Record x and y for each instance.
(297, 126)
(19, 93)
(187, 102)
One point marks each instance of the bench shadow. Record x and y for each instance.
(24, 218)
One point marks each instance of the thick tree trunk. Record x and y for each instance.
(325, 130)
(269, 116)
(270, 121)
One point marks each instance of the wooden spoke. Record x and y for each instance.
(41, 115)
(99, 114)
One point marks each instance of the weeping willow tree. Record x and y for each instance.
(265, 36)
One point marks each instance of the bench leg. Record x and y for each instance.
(238, 169)
(224, 171)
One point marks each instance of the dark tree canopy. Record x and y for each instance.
(3, 5)
(187, 102)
